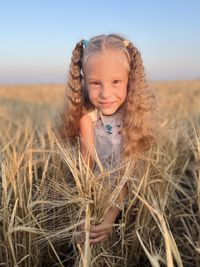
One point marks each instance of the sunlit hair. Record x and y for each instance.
(138, 126)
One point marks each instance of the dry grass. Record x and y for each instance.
(46, 188)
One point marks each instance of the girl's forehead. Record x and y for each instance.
(106, 58)
(106, 53)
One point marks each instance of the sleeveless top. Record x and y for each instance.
(107, 139)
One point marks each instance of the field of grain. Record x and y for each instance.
(45, 187)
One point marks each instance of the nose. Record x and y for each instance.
(105, 91)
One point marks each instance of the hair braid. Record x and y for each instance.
(73, 100)
(137, 127)
(75, 77)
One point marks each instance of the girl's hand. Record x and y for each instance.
(99, 233)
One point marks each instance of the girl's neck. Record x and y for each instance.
(119, 111)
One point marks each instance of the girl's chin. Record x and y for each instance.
(108, 112)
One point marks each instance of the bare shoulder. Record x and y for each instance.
(85, 121)
(86, 135)
(86, 126)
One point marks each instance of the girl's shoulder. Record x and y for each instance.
(93, 115)
(88, 118)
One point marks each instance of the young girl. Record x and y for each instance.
(109, 107)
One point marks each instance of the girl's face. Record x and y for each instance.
(106, 78)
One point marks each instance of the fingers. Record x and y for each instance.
(95, 234)
(100, 228)
(98, 239)
(96, 229)
(94, 237)
(98, 233)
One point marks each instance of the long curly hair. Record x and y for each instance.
(138, 127)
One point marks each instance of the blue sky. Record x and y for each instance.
(37, 37)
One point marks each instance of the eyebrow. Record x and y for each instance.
(113, 78)
(93, 80)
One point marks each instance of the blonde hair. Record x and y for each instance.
(138, 127)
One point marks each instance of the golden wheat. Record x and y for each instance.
(46, 187)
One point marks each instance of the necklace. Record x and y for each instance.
(109, 128)
(111, 121)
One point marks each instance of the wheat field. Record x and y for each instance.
(45, 187)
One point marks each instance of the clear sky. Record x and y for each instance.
(37, 36)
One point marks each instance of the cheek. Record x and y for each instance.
(92, 94)
(123, 93)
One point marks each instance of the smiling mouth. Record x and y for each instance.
(106, 103)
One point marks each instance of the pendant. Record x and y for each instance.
(109, 128)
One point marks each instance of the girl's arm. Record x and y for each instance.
(115, 208)
(101, 232)
(87, 138)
